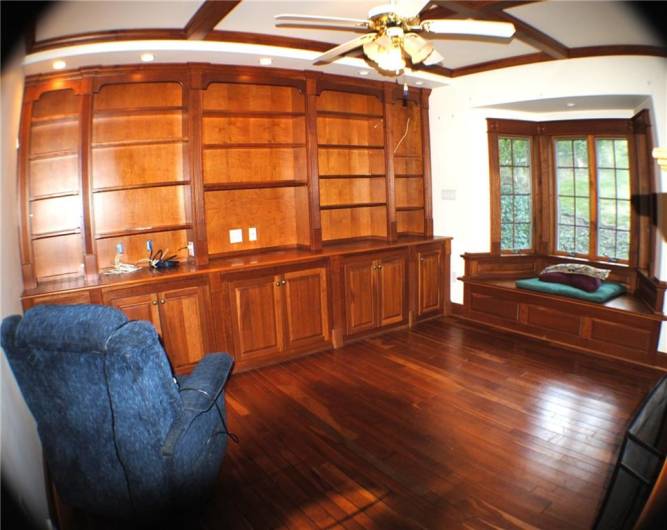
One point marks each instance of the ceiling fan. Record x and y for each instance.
(392, 33)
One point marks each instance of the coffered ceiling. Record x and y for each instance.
(104, 32)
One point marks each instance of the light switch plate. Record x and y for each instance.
(236, 235)
(448, 195)
(252, 234)
(191, 248)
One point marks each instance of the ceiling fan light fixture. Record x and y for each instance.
(417, 48)
(485, 28)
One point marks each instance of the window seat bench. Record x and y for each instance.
(625, 328)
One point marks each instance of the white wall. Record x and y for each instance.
(21, 449)
(459, 141)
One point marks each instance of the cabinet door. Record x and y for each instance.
(360, 304)
(306, 308)
(391, 290)
(140, 307)
(257, 317)
(183, 318)
(429, 281)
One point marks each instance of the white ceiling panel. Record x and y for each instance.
(466, 52)
(69, 18)
(587, 23)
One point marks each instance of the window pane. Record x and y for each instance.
(522, 209)
(521, 180)
(621, 153)
(606, 183)
(505, 151)
(583, 212)
(607, 213)
(580, 153)
(521, 151)
(565, 181)
(623, 215)
(566, 210)
(605, 153)
(581, 182)
(506, 238)
(606, 242)
(564, 153)
(566, 238)
(505, 180)
(522, 236)
(623, 183)
(622, 245)
(515, 193)
(581, 240)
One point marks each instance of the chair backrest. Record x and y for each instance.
(103, 396)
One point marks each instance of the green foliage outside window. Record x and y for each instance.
(515, 194)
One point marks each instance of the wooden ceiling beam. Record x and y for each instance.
(207, 17)
(524, 32)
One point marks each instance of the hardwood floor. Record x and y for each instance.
(441, 427)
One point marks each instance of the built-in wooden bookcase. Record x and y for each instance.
(254, 166)
(408, 167)
(54, 187)
(351, 159)
(140, 180)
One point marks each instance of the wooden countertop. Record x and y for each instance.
(239, 262)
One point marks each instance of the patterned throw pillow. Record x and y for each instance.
(580, 281)
(576, 268)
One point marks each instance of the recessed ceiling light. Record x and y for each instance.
(363, 72)
(59, 65)
(570, 104)
(147, 57)
(420, 83)
(265, 61)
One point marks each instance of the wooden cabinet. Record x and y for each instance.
(179, 313)
(278, 314)
(375, 292)
(430, 265)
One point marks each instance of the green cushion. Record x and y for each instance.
(606, 292)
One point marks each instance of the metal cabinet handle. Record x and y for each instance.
(379, 266)
(163, 301)
(421, 259)
(283, 282)
(278, 283)
(154, 302)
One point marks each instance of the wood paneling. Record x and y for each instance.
(391, 290)
(58, 256)
(128, 129)
(138, 95)
(172, 242)
(354, 223)
(232, 97)
(140, 307)
(351, 191)
(350, 162)
(116, 211)
(55, 139)
(252, 165)
(410, 222)
(409, 192)
(344, 131)
(360, 297)
(306, 308)
(54, 175)
(254, 129)
(430, 281)
(272, 211)
(55, 215)
(549, 319)
(348, 102)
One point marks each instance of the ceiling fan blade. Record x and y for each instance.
(344, 48)
(432, 59)
(410, 8)
(485, 28)
(287, 17)
(416, 47)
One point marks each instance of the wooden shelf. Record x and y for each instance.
(262, 145)
(408, 208)
(351, 205)
(250, 114)
(143, 186)
(348, 115)
(222, 186)
(54, 120)
(136, 111)
(147, 230)
(133, 143)
(57, 233)
(52, 155)
(409, 176)
(408, 157)
(350, 146)
(54, 195)
(325, 177)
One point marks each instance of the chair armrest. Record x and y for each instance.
(199, 392)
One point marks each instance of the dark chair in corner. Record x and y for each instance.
(121, 437)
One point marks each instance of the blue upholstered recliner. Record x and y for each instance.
(121, 437)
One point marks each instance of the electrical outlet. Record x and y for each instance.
(191, 248)
(236, 235)
(252, 233)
